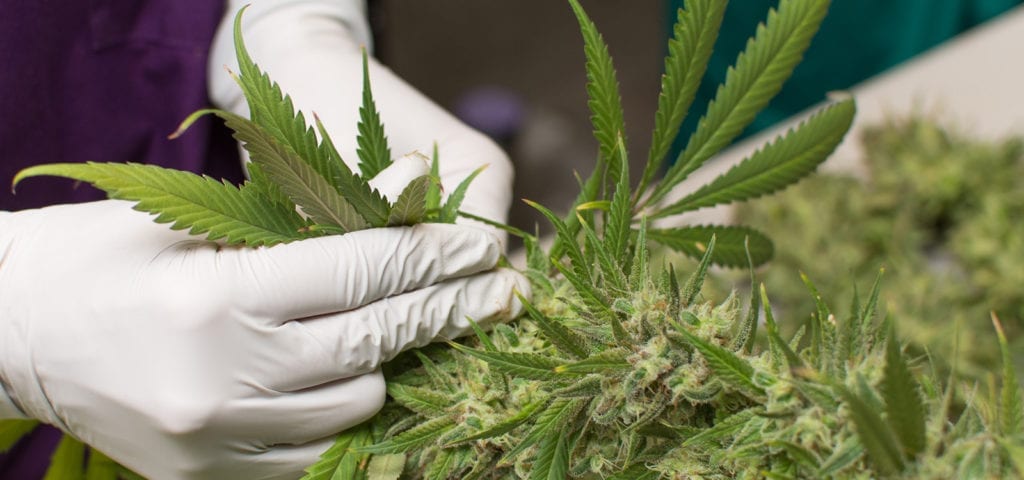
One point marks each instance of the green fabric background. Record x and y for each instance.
(858, 39)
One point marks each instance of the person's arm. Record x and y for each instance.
(312, 48)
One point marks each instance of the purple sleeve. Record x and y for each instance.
(104, 80)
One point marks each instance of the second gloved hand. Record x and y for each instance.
(182, 358)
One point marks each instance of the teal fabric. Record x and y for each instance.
(857, 40)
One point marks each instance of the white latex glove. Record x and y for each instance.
(181, 358)
(312, 49)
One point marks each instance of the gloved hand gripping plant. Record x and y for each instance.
(618, 370)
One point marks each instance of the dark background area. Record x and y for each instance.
(532, 50)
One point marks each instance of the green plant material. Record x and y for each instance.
(12, 430)
(411, 206)
(374, 153)
(733, 243)
(619, 370)
(67, 461)
(758, 74)
(693, 37)
(188, 201)
(101, 467)
(936, 208)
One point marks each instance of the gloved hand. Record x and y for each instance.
(312, 49)
(182, 358)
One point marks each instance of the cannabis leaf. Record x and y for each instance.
(758, 75)
(187, 201)
(374, 153)
(694, 35)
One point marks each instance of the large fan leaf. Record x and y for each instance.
(777, 165)
(689, 49)
(187, 201)
(757, 76)
(731, 243)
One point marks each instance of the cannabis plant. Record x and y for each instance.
(618, 369)
(936, 208)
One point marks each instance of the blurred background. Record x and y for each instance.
(515, 70)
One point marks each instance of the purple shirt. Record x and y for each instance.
(101, 80)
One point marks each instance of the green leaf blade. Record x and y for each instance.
(776, 166)
(296, 179)
(733, 370)
(187, 201)
(412, 439)
(689, 50)
(603, 91)
(525, 365)
(758, 75)
(904, 407)
(875, 434)
(13, 430)
(731, 243)
(411, 206)
(373, 151)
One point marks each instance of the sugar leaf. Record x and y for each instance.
(338, 461)
(365, 199)
(525, 365)
(904, 407)
(450, 210)
(506, 425)
(606, 363)
(423, 401)
(386, 467)
(561, 337)
(620, 215)
(374, 153)
(875, 434)
(411, 206)
(416, 437)
(733, 370)
(552, 461)
(1011, 408)
(552, 419)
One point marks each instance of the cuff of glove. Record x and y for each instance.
(9, 409)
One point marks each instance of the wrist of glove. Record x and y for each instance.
(9, 409)
(181, 358)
